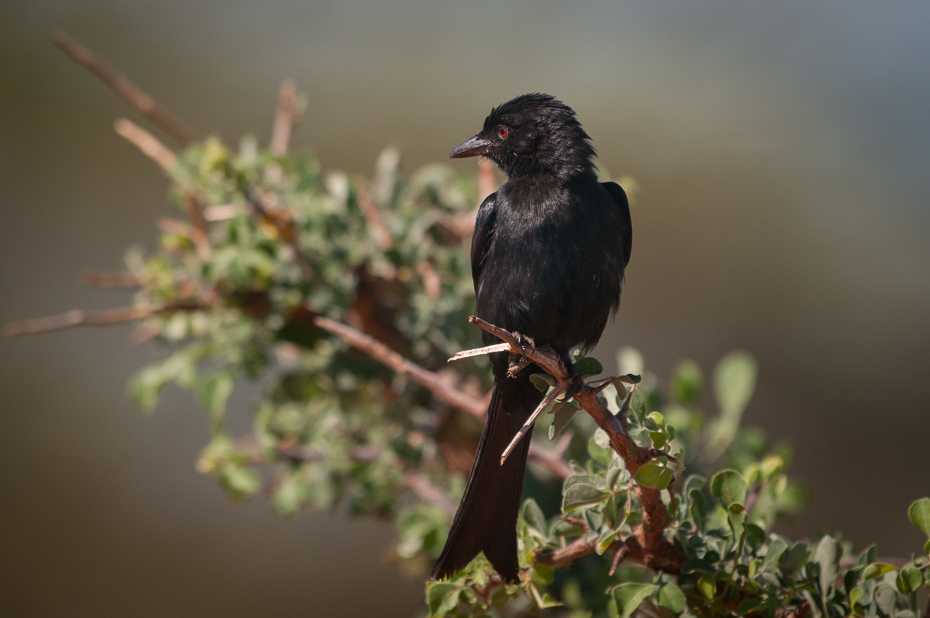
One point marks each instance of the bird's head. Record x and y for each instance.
(532, 134)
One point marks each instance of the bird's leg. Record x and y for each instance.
(516, 366)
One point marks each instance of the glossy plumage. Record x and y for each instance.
(548, 256)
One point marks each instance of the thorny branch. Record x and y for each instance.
(125, 88)
(648, 544)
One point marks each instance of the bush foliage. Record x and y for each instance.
(287, 243)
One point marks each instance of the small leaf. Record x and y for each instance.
(854, 595)
(687, 382)
(774, 552)
(885, 598)
(827, 556)
(630, 378)
(628, 597)
(707, 586)
(542, 574)
(877, 569)
(909, 580)
(755, 537)
(734, 382)
(728, 487)
(604, 541)
(564, 412)
(542, 381)
(697, 565)
(654, 476)
(919, 513)
(580, 495)
(796, 557)
(442, 598)
(534, 517)
(587, 366)
(672, 597)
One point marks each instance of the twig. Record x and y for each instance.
(180, 228)
(76, 318)
(383, 354)
(379, 229)
(432, 282)
(147, 143)
(491, 349)
(195, 212)
(428, 492)
(618, 558)
(284, 119)
(558, 390)
(109, 280)
(648, 545)
(125, 88)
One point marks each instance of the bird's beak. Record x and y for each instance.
(472, 147)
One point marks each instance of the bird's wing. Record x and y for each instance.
(626, 223)
(482, 236)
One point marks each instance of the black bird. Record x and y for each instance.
(547, 259)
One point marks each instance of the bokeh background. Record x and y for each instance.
(783, 155)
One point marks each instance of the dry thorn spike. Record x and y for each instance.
(558, 390)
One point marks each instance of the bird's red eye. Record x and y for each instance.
(503, 132)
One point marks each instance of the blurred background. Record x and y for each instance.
(783, 158)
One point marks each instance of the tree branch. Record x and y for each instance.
(76, 318)
(147, 143)
(109, 280)
(125, 88)
(648, 545)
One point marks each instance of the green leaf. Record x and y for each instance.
(534, 517)
(876, 569)
(796, 557)
(734, 383)
(587, 366)
(146, 387)
(707, 585)
(827, 556)
(579, 495)
(919, 513)
(854, 595)
(442, 598)
(755, 537)
(240, 481)
(774, 552)
(542, 381)
(687, 383)
(909, 579)
(605, 539)
(564, 412)
(542, 574)
(654, 476)
(600, 453)
(698, 508)
(628, 597)
(728, 487)
(214, 390)
(672, 597)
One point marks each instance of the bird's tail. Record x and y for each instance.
(487, 517)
